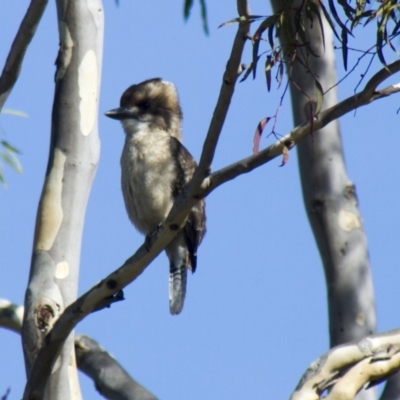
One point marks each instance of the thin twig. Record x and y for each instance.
(227, 88)
(18, 48)
(369, 94)
(135, 265)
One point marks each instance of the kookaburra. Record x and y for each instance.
(155, 168)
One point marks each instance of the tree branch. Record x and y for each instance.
(11, 315)
(226, 92)
(19, 46)
(349, 367)
(369, 94)
(136, 264)
(329, 195)
(109, 377)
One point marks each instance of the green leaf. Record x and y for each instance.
(268, 23)
(268, 67)
(243, 18)
(348, 9)
(12, 161)
(9, 147)
(301, 31)
(248, 71)
(396, 28)
(187, 8)
(8, 155)
(17, 113)
(280, 74)
(2, 179)
(381, 34)
(316, 10)
(271, 36)
(360, 7)
(285, 155)
(336, 16)
(319, 97)
(328, 18)
(204, 16)
(360, 13)
(257, 135)
(345, 49)
(299, 25)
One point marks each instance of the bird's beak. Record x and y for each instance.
(119, 113)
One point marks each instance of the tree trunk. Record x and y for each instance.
(329, 196)
(73, 159)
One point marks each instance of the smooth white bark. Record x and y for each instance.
(73, 158)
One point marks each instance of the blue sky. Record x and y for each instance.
(255, 312)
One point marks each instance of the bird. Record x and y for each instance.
(155, 167)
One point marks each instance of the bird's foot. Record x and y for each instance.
(151, 236)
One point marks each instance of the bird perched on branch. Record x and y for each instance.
(155, 168)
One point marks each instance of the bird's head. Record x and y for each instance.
(152, 104)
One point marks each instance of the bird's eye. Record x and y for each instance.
(144, 105)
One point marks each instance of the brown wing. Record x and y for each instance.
(195, 227)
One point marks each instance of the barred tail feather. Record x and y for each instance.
(177, 287)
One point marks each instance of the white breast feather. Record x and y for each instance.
(148, 171)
